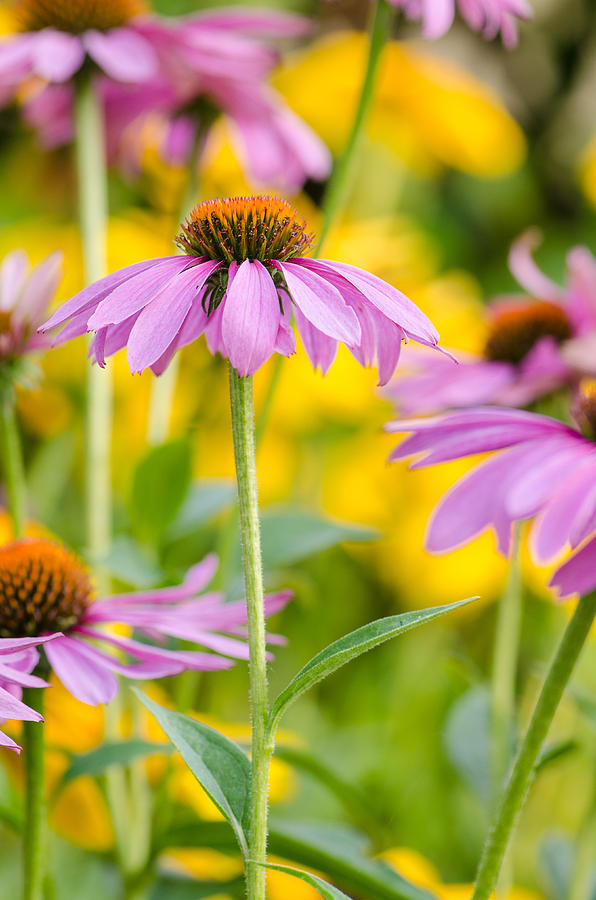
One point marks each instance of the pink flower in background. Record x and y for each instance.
(541, 469)
(489, 17)
(535, 345)
(85, 656)
(18, 658)
(202, 66)
(25, 294)
(58, 37)
(241, 279)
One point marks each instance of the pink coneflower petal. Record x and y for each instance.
(123, 54)
(251, 317)
(555, 460)
(388, 300)
(578, 574)
(162, 317)
(136, 292)
(320, 349)
(321, 303)
(80, 672)
(12, 275)
(437, 18)
(10, 675)
(260, 22)
(39, 288)
(11, 708)
(91, 296)
(525, 270)
(56, 55)
(177, 660)
(570, 506)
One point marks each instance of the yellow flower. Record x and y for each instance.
(419, 871)
(430, 112)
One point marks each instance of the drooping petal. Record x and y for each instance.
(437, 18)
(91, 296)
(123, 54)
(10, 645)
(578, 574)
(388, 300)
(56, 55)
(568, 505)
(172, 660)
(321, 303)
(84, 675)
(136, 292)
(6, 741)
(251, 317)
(161, 319)
(11, 708)
(320, 349)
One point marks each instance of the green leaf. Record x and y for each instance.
(348, 648)
(173, 888)
(467, 740)
(289, 535)
(326, 890)
(339, 852)
(160, 484)
(218, 764)
(204, 501)
(113, 754)
(129, 562)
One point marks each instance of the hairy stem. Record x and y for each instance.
(34, 832)
(243, 428)
(522, 774)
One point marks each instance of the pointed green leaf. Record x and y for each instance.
(160, 484)
(218, 764)
(348, 648)
(326, 890)
(118, 753)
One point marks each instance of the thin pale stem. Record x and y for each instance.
(12, 460)
(524, 767)
(506, 652)
(243, 429)
(34, 833)
(581, 886)
(341, 180)
(93, 215)
(504, 675)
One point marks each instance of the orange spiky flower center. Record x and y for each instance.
(239, 228)
(514, 332)
(76, 16)
(43, 588)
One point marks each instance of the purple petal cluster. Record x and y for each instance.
(541, 469)
(25, 295)
(558, 356)
(18, 658)
(489, 17)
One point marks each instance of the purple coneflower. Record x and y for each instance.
(242, 275)
(55, 594)
(57, 38)
(543, 469)
(489, 17)
(25, 295)
(18, 658)
(535, 344)
(166, 80)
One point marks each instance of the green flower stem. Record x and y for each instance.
(524, 766)
(12, 460)
(34, 833)
(93, 215)
(342, 176)
(506, 653)
(243, 429)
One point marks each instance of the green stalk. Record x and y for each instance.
(341, 180)
(34, 832)
(10, 445)
(93, 216)
(524, 767)
(506, 652)
(243, 430)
